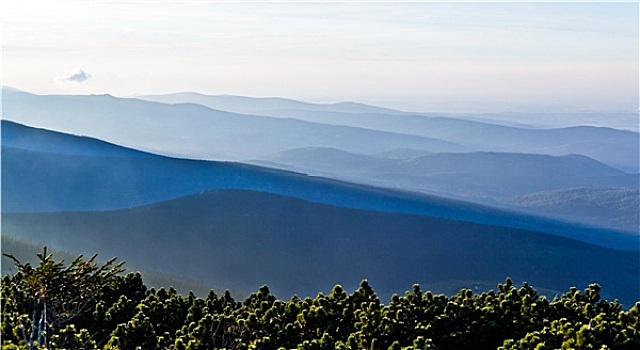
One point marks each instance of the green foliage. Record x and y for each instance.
(87, 306)
(64, 306)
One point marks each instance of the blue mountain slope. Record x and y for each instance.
(41, 140)
(241, 239)
(339, 112)
(476, 163)
(50, 171)
(486, 178)
(92, 179)
(618, 148)
(195, 131)
(617, 206)
(255, 105)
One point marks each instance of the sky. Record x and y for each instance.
(416, 56)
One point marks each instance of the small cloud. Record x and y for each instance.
(77, 76)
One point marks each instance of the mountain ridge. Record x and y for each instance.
(248, 238)
(488, 178)
(39, 181)
(245, 104)
(208, 134)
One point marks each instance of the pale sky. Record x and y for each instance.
(411, 56)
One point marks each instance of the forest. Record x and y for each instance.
(85, 304)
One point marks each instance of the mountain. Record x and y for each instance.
(476, 163)
(100, 176)
(623, 120)
(237, 226)
(34, 180)
(262, 105)
(242, 239)
(22, 137)
(618, 148)
(214, 134)
(482, 177)
(195, 131)
(282, 107)
(45, 170)
(616, 206)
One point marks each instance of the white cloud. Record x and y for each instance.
(77, 76)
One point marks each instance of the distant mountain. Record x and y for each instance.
(239, 225)
(214, 134)
(243, 239)
(42, 171)
(282, 107)
(262, 105)
(480, 174)
(35, 180)
(618, 148)
(478, 163)
(617, 206)
(6, 88)
(483, 177)
(195, 131)
(22, 137)
(402, 153)
(623, 120)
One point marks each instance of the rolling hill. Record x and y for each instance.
(262, 105)
(238, 226)
(482, 177)
(281, 107)
(36, 180)
(242, 239)
(43, 171)
(618, 148)
(565, 168)
(619, 207)
(194, 131)
(215, 134)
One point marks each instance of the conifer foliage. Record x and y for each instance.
(85, 305)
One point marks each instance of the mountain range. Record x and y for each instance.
(239, 225)
(489, 178)
(42, 172)
(240, 239)
(237, 200)
(485, 163)
(195, 131)
(611, 146)
(263, 105)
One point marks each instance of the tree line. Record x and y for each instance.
(87, 305)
